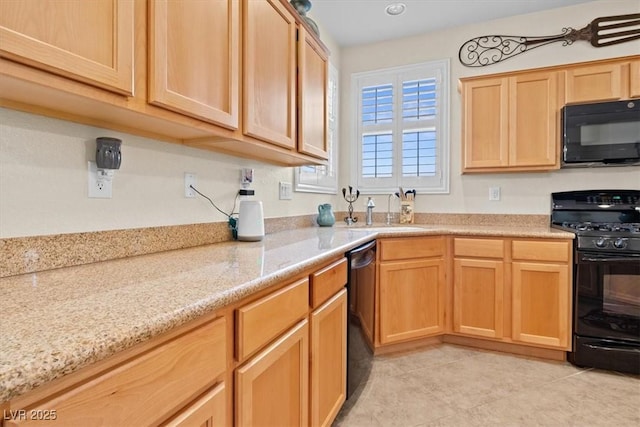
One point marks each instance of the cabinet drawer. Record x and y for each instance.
(541, 251)
(481, 248)
(409, 248)
(328, 281)
(266, 318)
(209, 410)
(148, 388)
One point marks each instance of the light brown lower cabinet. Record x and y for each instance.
(478, 297)
(328, 359)
(272, 388)
(411, 299)
(513, 290)
(146, 389)
(208, 411)
(541, 300)
(290, 367)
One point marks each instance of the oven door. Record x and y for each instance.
(607, 296)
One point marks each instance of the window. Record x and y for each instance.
(402, 129)
(324, 179)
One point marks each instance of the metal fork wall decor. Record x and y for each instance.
(605, 31)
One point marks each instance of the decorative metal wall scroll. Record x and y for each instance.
(605, 31)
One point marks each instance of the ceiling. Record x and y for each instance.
(353, 22)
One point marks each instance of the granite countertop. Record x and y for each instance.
(383, 230)
(55, 322)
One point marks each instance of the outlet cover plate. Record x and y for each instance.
(99, 187)
(190, 179)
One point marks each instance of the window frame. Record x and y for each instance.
(396, 76)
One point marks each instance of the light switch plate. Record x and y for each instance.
(494, 193)
(286, 191)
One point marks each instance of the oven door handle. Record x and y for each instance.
(604, 258)
(622, 348)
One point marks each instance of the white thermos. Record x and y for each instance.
(250, 218)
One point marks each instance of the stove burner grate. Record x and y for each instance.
(618, 227)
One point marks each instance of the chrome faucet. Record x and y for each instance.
(389, 215)
(370, 206)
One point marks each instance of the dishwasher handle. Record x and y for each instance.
(363, 256)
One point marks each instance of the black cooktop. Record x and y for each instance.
(603, 220)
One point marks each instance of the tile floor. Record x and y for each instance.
(448, 385)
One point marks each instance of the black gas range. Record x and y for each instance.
(606, 271)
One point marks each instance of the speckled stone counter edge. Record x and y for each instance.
(22, 255)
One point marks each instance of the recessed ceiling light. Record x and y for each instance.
(395, 9)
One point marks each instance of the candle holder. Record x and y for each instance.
(350, 198)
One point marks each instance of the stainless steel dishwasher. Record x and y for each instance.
(361, 282)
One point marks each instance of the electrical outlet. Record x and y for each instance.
(246, 177)
(189, 180)
(494, 193)
(286, 191)
(100, 184)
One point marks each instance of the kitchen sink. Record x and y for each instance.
(385, 228)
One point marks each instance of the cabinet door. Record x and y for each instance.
(208, 411)
(485, 123)
(478, 297)
(194, 66)
(272, 389)
(88, 41)
(411, 299)
(313, 72)
(534, 105)
(541, 296)
(269, 72)
(595, 83)
(634, 79)
(328, 359)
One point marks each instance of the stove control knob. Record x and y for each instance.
(601, 242)
(620, 243)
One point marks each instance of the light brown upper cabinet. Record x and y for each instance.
(87, 41)
(313, 79)
(511, 122)
(609, 81)
(269, 77)
(227, 76)
(194, 49)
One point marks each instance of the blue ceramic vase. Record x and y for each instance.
(325, 215)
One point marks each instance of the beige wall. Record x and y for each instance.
(522, 192)
(43, 181)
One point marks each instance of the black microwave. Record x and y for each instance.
(601, 134)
